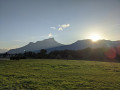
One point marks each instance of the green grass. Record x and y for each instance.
(51, 74)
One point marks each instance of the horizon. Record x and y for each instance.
(60, 42)
(31, 21)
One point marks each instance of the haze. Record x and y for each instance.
(24, 21)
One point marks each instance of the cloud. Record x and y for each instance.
(53, 28)
(65, 25)
(50, 35)
(61, 27)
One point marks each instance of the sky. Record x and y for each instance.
(24, 21)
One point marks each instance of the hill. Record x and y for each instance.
(51, 45)
(44, 44)
(82, 44)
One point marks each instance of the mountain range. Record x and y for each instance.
(44, 44)
(51, 44)
(82, 44)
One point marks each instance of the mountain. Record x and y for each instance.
(45, 44)
(82, 44)
(3, 50)
(51, 45)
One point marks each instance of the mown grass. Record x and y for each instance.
(40, 74)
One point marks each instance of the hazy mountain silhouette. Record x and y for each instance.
(82, 44)
(51, 45)
(44, 44)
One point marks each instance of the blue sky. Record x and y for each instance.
(24, 21)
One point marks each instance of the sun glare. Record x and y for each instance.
(95, 37)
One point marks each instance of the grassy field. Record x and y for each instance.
(51, 74)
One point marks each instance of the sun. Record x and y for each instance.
(95, 37)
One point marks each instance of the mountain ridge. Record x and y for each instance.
(44, 44)
(87, 43)
(51, 44)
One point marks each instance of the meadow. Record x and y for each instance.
(53, 74)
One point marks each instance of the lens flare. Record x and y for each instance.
(111, 53)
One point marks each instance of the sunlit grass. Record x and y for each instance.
(59, 75)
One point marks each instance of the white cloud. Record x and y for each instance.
(61, 27)
(50, 35)
(65, 25)
(53, 28)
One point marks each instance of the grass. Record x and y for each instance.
(38, 74)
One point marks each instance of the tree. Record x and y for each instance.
(43, 53)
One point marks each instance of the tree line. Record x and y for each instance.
(111, 53)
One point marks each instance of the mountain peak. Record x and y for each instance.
(44, 44)
(31, 43)
(49, 39)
